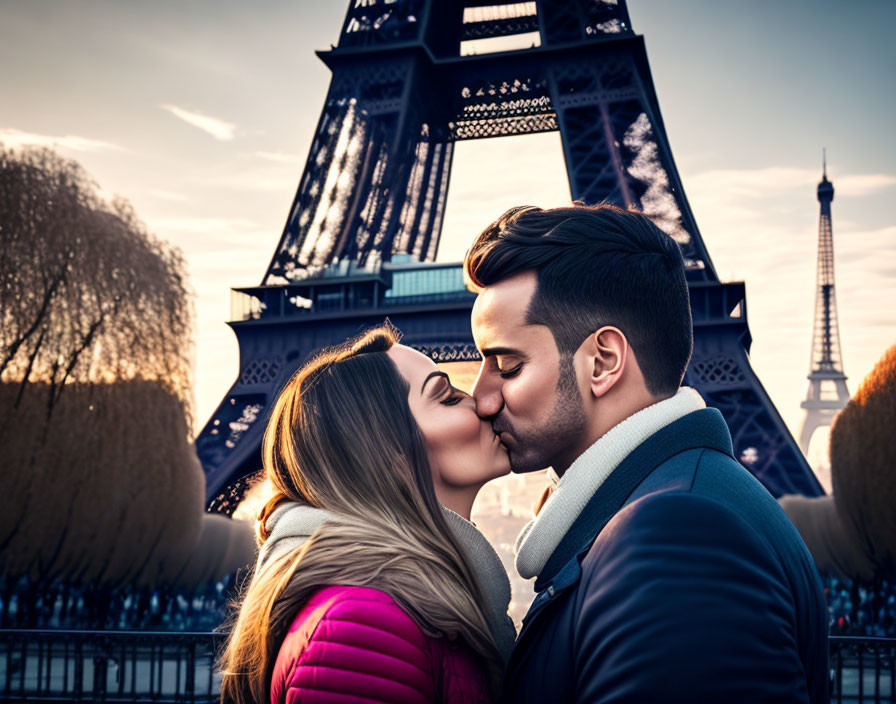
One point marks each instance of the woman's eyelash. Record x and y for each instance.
(455, 398)
(511, 372)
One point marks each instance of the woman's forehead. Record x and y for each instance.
(410, 362)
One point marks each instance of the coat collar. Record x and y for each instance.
(541, 536)
(705, 428)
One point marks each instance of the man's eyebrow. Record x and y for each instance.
(430, 376)
(494, 351)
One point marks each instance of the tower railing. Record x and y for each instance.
(395, 284)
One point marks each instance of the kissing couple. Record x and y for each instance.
(664, 571)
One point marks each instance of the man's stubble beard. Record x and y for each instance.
(537, 449)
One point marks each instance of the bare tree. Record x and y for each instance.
(103, 484)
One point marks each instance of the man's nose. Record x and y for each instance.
(487, 394)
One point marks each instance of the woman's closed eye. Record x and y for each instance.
(454, 397)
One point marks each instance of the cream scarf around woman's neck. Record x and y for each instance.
(292, 524)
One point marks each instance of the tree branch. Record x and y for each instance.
(45, 305)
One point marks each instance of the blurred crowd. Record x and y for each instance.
(855, 608)
(129, 608)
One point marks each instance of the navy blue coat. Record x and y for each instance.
(682, 580)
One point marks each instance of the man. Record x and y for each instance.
(665, 571)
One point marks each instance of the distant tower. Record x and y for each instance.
(827, 383)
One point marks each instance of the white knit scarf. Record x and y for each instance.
(541, 536)
(292, 524)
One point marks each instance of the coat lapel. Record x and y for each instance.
(705, 428)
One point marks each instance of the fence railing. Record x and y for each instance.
(863, 669)
(124, 666)
(108, 666)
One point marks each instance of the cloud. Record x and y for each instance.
(217, 128)
(868, 253)
(168, 195)
(278, 174)
(203, 226)
(218, 244)
(753, 183)
(774, 180)
(255, 180)
(862, 184)
(278, 157)
(17, 138)
(221, 240)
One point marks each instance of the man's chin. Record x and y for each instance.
(525, 468)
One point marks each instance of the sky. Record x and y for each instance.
(201, 113)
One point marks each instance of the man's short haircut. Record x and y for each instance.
(596, 266)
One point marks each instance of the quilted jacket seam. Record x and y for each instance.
(334, 619)
(294, 685)
(367, 650)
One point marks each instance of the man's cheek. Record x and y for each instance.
(524, 399)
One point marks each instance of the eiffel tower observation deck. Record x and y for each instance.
(362, 234)
(827, 392)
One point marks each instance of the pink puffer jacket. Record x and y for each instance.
(355, 644)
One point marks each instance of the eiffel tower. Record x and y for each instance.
(361, 237)
(827, 392)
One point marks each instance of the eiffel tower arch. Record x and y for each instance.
(361, 237)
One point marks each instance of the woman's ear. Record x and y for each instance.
(609, 352)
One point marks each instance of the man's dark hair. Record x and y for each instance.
(596, 266)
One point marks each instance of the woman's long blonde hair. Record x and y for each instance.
(342, 437)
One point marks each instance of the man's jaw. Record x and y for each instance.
(508, 439)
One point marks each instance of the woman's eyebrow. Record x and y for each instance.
(431, 375)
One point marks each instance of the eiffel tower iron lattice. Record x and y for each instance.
(827, 392)
(362, 234)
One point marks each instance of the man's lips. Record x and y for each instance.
(503, 434)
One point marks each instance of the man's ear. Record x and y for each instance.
(609, 353)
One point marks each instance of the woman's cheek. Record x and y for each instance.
(460, 449)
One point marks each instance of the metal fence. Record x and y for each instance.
(126, 666)
(108, 666)
(863, 669)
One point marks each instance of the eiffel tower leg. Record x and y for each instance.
(826, 396)
(312, 196)
(376, 175)
(615, 146)
(811, 423)
(594, 163)
(397, 165)
(720, 370)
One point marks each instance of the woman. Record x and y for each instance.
(366, 588)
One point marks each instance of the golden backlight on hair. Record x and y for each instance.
(342, 437)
